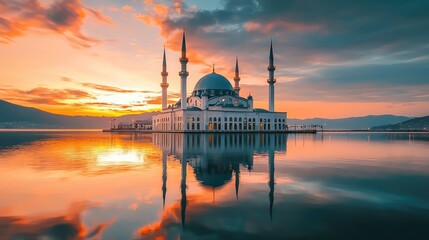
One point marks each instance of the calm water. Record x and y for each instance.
(92, 185)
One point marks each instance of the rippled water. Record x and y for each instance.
(93, 185)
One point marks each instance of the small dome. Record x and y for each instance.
(213, 81)
(250, 97)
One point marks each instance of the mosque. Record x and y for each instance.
(216, 106)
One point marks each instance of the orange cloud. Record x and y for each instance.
(65, 17)
(43, 95)
(107, 88)
(158, 100)
(127, 8)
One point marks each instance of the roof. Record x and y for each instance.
(213, 81)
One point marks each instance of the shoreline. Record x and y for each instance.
(309, 131)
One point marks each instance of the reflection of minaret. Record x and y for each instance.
(237, 179)
(271, 173)
(183, 202)
(164, 178)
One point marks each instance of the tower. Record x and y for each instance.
(183, 73)
(271, 68)
(237, 77)
(164, 84)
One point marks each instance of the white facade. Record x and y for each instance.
(215, 106)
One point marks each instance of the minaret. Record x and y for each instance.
(237, 77)
(271, 68)
(164, 84)
(183, 73)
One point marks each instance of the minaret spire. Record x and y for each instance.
(183, 73)
(271, 68)
(164, 84)
(184, 44)
(237, 77)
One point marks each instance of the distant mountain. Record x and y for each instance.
(15, 116)
(355, 123)
(421, 123)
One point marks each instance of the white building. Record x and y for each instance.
(216, 106)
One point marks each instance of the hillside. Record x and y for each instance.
(15, 116)
(421, 123)
(355, 123)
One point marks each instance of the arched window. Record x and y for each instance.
(235, 119)
(210, 119)
(239, 119)
(226, 119)
(198, 119)
(230, 119)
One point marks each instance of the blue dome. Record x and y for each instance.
(213, 81)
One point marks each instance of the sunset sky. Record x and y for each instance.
(103, 58)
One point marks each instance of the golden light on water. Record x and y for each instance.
(120, 157)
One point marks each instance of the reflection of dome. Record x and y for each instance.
(213, 172)
(213, 177)
(213, 81)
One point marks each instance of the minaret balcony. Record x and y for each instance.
(183, 73)
(271, 81)
(271, 68)
(164, 85)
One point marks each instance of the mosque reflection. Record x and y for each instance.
(217, 158)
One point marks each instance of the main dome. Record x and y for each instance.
(213, 81)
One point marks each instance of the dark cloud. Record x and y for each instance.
(62, 16)
(335, 50)
(404, 82)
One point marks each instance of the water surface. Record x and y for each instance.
(93, 185)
